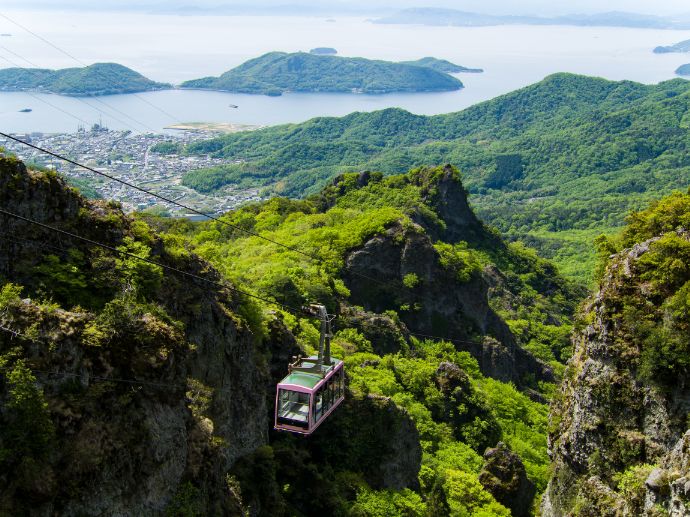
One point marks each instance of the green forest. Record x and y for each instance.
(552, 165)
(510, 292)
(278, 72)
(437, 401)
(537, 306)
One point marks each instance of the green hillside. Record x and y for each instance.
(553, 164)
(96, 79)
(430, 257)
(135, 388)
(278, 72)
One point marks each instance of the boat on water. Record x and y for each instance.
(233, 105)
(26, 110)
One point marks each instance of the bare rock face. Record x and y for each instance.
(386, 335)
(504, 475)
(153, 412)
(609, 419)
(439, 304)
(668, 485)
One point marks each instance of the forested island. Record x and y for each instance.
(443, 17)
(680, 47)
(683, 70)
(278, 72)
(92, 80)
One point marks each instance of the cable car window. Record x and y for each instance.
(293, 408)
(318, 405)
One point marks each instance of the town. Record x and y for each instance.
(127, 156)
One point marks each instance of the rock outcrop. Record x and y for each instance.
(153, 394)
(146, 404)
(460, 406)
(504, 475)
(440, 304)
(623, 406)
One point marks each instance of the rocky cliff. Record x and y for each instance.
(147, 394)
(447, 299)
(130, 389)
(618, 436)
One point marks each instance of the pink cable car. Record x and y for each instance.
(314, 386)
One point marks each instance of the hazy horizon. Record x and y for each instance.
(504, 7)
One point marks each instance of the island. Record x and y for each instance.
(683, 70)
(454, 17)
(683, 46)
(276, 73)
(323, 51)
(441, 65)
(92, 80)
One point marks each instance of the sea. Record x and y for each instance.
(175, 48)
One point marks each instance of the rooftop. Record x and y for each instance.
(309, 380)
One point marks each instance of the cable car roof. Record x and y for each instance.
(309, 380)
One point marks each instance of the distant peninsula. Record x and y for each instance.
(441, 65)
(683, 46)
(454, 17)
(323, 51)
(278, 72)
(683, 70)
(96, 79)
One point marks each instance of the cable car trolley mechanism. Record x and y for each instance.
(314, 386)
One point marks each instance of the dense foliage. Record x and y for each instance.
(553, 164)
(278, 72)
(457, 413)
(130, 318)
(96, 79)
(658, 325)
(343, 215)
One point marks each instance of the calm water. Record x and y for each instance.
(177, 48)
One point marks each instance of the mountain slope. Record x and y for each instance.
(553, 164)
(278, 72)
(96, 79)
(418, 227)
(127, 387)
(404, 257)
(108, 387)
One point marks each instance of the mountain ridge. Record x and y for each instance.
(174, 383)
(553, 164)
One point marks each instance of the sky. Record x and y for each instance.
(538, 7)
